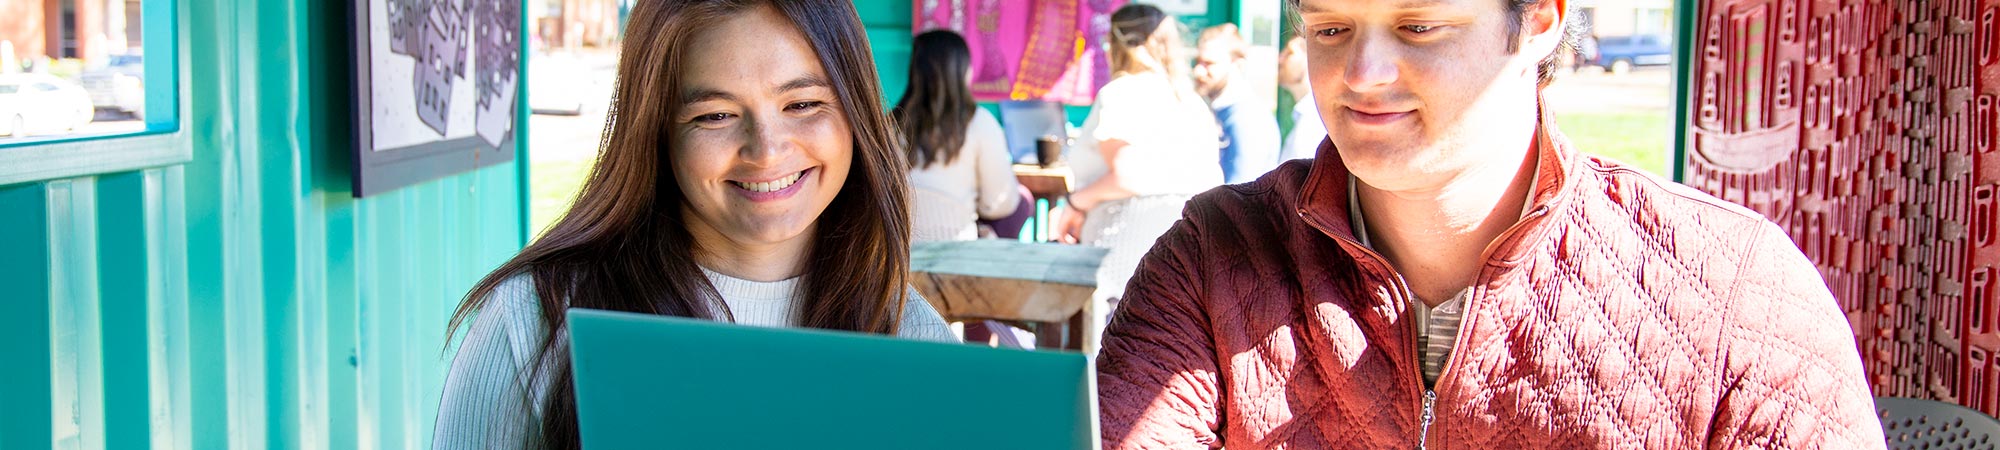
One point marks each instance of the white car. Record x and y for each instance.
(119, 86)
(33, 103)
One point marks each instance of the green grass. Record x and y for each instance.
(1640, 140)
(554, 184)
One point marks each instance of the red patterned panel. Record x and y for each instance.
(1867, 129)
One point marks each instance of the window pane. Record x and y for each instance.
(79, 65)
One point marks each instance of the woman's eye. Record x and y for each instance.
(712, 117)
(801, 106)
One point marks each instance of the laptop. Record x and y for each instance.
(646, 381)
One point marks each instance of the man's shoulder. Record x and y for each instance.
(1264, 200)
(1674, 203)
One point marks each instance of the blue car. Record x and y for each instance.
(1620, 53)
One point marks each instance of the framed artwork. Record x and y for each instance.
(436, 86)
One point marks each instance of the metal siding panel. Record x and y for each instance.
(343, 374)
(171, 407)
(127, 279)
(24, 321)
(214, 130)
(78, 367)
(274, 92)
(199, 265)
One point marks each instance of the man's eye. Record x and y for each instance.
(1419, 29)
(1330, 32)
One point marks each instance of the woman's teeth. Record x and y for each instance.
(770, 186)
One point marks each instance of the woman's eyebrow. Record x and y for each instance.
(808, 81)
(699, 95)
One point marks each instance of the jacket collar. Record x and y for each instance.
(1323, 201)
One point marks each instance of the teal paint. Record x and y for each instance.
(889, 27)
(162, 68)
(24, 320)
(243, 298)
(526, 193)
(75, 319)
(1687, 13)
(127, 279)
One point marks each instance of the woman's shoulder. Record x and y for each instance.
(983, 120)
(514, 292)
(512, 307)
(922, 322)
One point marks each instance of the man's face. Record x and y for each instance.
(1415, 91)
(1213, 67)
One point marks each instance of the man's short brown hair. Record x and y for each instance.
(1517, 10)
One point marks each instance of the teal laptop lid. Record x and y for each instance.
(645, 381)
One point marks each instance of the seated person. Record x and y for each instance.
(959, 166)
(1450, 272)
(742, 180)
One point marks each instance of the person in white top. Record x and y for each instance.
(1307, 129)
(749, 175)
(960, 170)
(1149, 144)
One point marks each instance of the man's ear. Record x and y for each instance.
(1543, 27)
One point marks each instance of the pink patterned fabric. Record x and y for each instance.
(1028, 50)
(1623, 312)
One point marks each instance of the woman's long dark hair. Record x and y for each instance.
(937, 105)
(624, 246)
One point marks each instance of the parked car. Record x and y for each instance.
(33, 103)
(118, 87)
(1620, 53)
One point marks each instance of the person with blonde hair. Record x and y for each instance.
(1148, 145)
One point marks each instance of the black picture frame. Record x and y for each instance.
(444, 34)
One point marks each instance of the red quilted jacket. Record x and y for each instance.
(1622, 312)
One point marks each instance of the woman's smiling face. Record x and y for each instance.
(760, 145)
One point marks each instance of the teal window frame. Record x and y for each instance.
(165, 141)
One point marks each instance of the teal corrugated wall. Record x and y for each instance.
(888, 23)
(243, 299)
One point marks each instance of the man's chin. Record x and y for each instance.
(1381, 156)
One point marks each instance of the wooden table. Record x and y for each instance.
(1046, 184)
(1044, 285)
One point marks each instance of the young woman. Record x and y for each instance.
(748, 175)
(959, 165)
(1149, 144)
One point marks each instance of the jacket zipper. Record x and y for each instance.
(1430, 399)
(1402, 294)
(1427, 409)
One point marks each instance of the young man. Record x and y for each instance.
(1251, 132)
(1449, 272)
